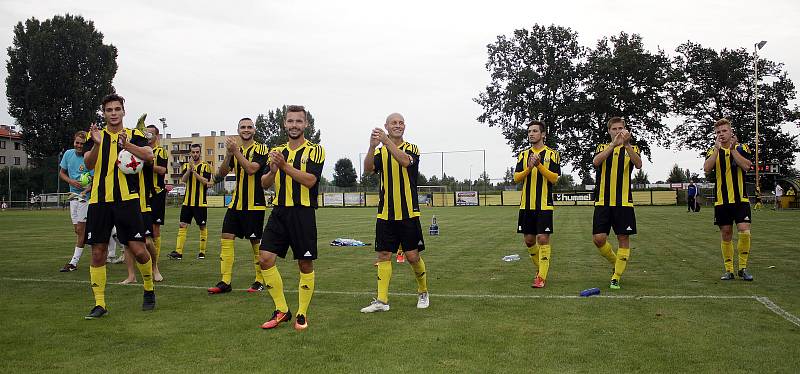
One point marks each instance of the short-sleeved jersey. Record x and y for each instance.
(73, 164)
(155, 180)
(309, 158)
(110, 184)
(195, 189)
(730, 177)
(536, 189)
(248, 194)
(398, 185)
(613, 178)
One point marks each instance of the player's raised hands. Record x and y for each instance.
(231, 145)
(277, 159)
(618, 140)
(626, 136)
(533, 160)
(381, 135)
(95, 133)
(122, 139)
(374, 137)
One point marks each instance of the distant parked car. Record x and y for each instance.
(177, 191)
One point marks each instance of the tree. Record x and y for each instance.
(270, 130)
(641, 178)
(508, 178)
(421, 179)
(720, 85)
(622, 79)
(344, 175)
(534, 77)
(368, 181)
(58, 72)
(677, 175)
(565, 182)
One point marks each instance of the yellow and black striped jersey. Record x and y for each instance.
(613, 178)
(248, 194)
(309, 158)
(110, 184)
(195, 189)
(155, 180)
(729, 187)
(537, 191)
(398, 185)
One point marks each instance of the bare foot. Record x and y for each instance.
(157, 277)
(127, 281)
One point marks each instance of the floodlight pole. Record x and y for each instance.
(756, 47)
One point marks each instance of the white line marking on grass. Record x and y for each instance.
(778, 310)
(761, 299)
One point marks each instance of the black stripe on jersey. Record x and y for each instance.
(389, 184)
(101, 186)
(296, 186)
(528, 183)
(245, 180)
(723, 168)
(620, 176)
(606, 189)
(734, 177)
(282, 190)
(403, 202)
(117, 187)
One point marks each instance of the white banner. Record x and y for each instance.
(354, 199)
(464, 198)
(333, 199)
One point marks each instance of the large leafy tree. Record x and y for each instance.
(622, 79)
(534, 77)
(719, 84)
(58, 72)
(344, 174)
(270, 130)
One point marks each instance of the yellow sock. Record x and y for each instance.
(157, 246)
(421, 275)
(305, 292)
(203, 239)
(226, 260)
(274, 284)
(743, 246)
(97, 276)
(608, 252)
(384, 276)
(623, 254)
(534, 252)
(259, 276)
(146, 270)
(727, 256)
(181, 239)
(544, 260)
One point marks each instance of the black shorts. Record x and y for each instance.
(244, 224)
(147, 220)
(391, 235)
(158, 207)
(199, 213)
(533, 222)
(126, 216)
(727, 214)
(621, 218)
(294, 227)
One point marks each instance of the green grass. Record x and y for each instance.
(675, 253)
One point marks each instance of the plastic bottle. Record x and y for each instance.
(510, 258)
(590, 292)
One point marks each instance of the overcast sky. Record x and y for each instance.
(203, 65)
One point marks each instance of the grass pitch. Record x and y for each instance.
(672, 314)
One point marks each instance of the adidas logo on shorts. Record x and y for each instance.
(307, 254)
(138, 236)
(420, 243)
(629, 228)
(89, 236)
(548, 229)
(252, 235)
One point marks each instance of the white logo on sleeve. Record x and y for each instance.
(307, 254)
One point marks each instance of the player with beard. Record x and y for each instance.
(245, 216)
(294, 169)
(197, 177)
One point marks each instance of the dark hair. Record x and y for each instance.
(195, 145)
(541, 125)
(297, 108)
(614, 120)
(245, 119)
(154, 128)
(113, 97)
